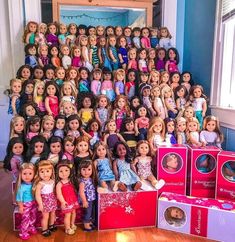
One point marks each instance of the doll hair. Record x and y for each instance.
(158, 50)
(108, 154)
(168, 120)
(14, 120)
(105, 71)
(163, 91)
(82, 37)
(84, 95)
(136, 29)
(9, 153)
(127, 108)
(49, 83)
(81, 26)
(31, 121)
(86, 164)
(90, 38)
(125, 122)
(120, 72)
(23, 109)
(50, 24)
(73, 88)
(26, 31)
(177, 222)
(177, 58)
(46, 118)
(14, 80)
(97, 70)
(28, 47)
(62, 106)
(168, 33)
(109, 27)
(19, 71)
(68, 139)
(107, 123)
(151, 74)
(71, 118)
(151, 127)
(141, 31)
(128, 157)
(81, 139)
(143, 87)
(217, 126)
(119, 40)
(27, 82)
(30, 150)
(48, 67)
(55, 139)
(178, 88)
(88, 28)
(201, 88)
(141, 106)
(38, 83)
(140, 143)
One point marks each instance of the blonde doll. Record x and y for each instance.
(165, 38)
(29, 33)
(188, 112)
(164, 79)
(47, 126)
(156, 133)
(100, 30)
(14, 98)
(112, 51)
(192, 131)
(119, 82)
(72, 75)
(154, 78)
(43, 188)
(62, 34)
(181, 128)
(67, 108)
(59, 75)
(43, 58)
(83, 43)
(76, 57)
(66, 194)
(68, 92)
(26, 201)
(66, 59)
(211, 133)
(68, 143)
(40, 38)
(142, 165)
(38, 95)
(157, 102)
(151, 59)
(132, 62)
(93, 51)
(175, 216)
(17, 127)
(71, 37)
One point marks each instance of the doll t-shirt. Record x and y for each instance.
(24, 193)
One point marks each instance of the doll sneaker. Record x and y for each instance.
(159, 184)
(115, 187)
(145, 187)
(137, 186)
(70, 231)
(74, 227)
(24, 236)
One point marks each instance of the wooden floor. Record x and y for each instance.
(133, 235)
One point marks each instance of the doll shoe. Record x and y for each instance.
(70, 231)
(145, 187)
(137, 186)
(102, 190)
(159, 184)
(46, 233)
(122, 187)
(33, 231)
(24, 237)
(52, 228)
(88, 230)
(74, 227)
(115, 187)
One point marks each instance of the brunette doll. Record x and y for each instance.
(56, 149)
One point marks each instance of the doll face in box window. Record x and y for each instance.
(25, 73)
(17, 149)
(69, 147)
(16, 87)
(27, 175)
(172, 162)
(30, 111)
(55, 148)
(211, 125)
(177, 213)
(52, 29)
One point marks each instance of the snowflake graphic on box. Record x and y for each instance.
(117, 200)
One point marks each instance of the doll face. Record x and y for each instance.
(132, 54)
(86, 172)
(123, 42)
(146, 92)
(161, 54)
(67, 90)
(175, 78)
(51, 90)
(100, 30)
(152, 54)
(188, 113)
(103, 102)
(60, 123)
(143, 54)
(211, 125)
(107, 76)
(82, 146)
(94, 127)
(32, 27)
(84, 41)
(102, 41)
(170, 126)
(186, 77)
(35, 127)
(73, 29)
(25, 73)
(145, 33)
(29, 88)
(130, 126)
(55, 148)
(135, 102)
(92, 41)
(92, 31)
(192, 126)
(121, 103)
(69, 147)
(65, 50)
(68, 108)
(27, 175)
(111, 126)
(45, 173)
(144, 78)
(142, 112)
(81, 31)
(172, 55)
(121, 151)
(143, 149)
(60, 74)
(30, 111)
(86, 102)
(38, 148)
(48, 125)
(118, 31)
(155, 76)
(181, 92)
(19, 126)
(50, 74)
(157, 128)
(32, 51)
(40, 90)
(101, 151)
(156, 92)
(77, 52)
(181, 126)
(63, 29)
(154, 32)
(176, 213)
(54, 51)
(52, 29)
(168, 93)
(97, 75)
(131, 76)
(137, 33)
(109, 31)
(197, 92)
(16, 87)
(44, 50)
(17, 149)
(204, 163)
(120, 76)
(38, 74)
(172, 162)
(127, 32)
(164, 32)
(64, 172)
(43, 28)
(112, 41)
(74, 124)
(84, 74)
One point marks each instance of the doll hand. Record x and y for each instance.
(203, 114)
(115, 60)
(21, 209)
(136, 133)
(40, 208)
(63, 205)
(175, 111)
(85, 204)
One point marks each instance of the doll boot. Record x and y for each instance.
(159, 184)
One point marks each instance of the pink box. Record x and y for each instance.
(127, 209)
(172, 167)
(225, 185)
(205, 217)
(202, 164)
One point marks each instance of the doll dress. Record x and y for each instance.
(172, 66)
(17, 104)
(95, 59)
(121, 115)
(54, 105)
(144, 167)
(105, 172)
(103, 115)
(107, 89)
(106, 60)
(123, 53)
(112, 140)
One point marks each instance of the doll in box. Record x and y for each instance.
(229, 170)
(175, 216)
(171, 163)
(205, 163)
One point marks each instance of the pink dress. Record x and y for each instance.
(54, 105)
(146, 42)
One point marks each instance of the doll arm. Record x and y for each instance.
(21, 207)
(53, 62)
(112, 56)
(13, 104)
(27, 38)
(40, 62)
(97, 117)
(114, 114)
(121, 138)
(177, 102)
(204, 108)
(90, 55)
(140, 65)
(38, 196)
(142, 43)
(115, 170)
(47, 106)
(120, 58)
(179, 139)
(156, 108)
(136, 127)
(60, 195)
(152, 148)
(126, 90)
(106, 138)
(169, 107)
(133, 165)
(100, 56)
(82, 195)
(194, 141)
(166, 66)
(84, 53)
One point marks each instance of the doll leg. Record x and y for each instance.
(122, 187)
(143, 134)
(114, 185)
(25, 222)
(87, 217)
(52, 226)
(33, 217)
(67, 219)
(137, 186)
(157, 184)
(73, 218)
(44, 221)
(103, 187)
(199, 117)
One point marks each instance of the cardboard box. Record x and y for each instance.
(225, 184)
(209, 218)
(129, 209)
(202, 165)
(172, 168)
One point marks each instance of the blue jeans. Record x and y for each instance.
(88, 212)
(143, 134)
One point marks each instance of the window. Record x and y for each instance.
(223, 74)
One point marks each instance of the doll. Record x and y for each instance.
(66, 194)
(76, 57)
(26, 201)
(119, 82)
(62, 34)
(170, 131)
(136, 38)
(181, 128)
(81, 151)
(156, 134)
(127, 34)
(67, 108)
(87, 194)
(73, 126)
(47, 126)
(181, 94)
(121, 110)
(59, 76)
(112, 136)
(154, 41)
(192, 131)
(29, 33)
(142, 62)
(43, 187)
(37, 150)
(93, 51)
(175, 216)
(68, 144)
(91, 30)
(54, 52)
(51, 36)
(130, 84)
(211, 133)
(100, 31)
(146, 100)
(32, 127)
(122, 168)
(169, 102)
(199, 102)
(84, 82)
(71, 37)
(141, 123)
(38, 94)
(142, 165)
(68, 92)
(14, 156)
(144, 77)
(72, 76)
(103, 165)
(43, 58)
(17, 127)
(83, 43)
(27, 92)
(66, 59)
(103, 53)
(113, 53)
(157, 102)
(188, 112)
(93, 132)
(171, 163)
(109, 30)
(29, 109)
(107, 85)
(186, 80)
(51, 98)
(118, 31)
(59, 126)
(30, 55)
(174, 80)
(14, 97)
(24, 73)
(165, 38)
(132, 62)
(205, 163)
(81, 29)
(122, 52)
(38, 73)
(40, 38)
(151, 59)
(96, 82)
(172, 60)
(134, 104)
(161, 59)
(145, 40)
(49, 71)
(229, 171)
(55, 146)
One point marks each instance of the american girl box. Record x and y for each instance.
(172, 168)
(202, 165)
(127, 209)
(225, 183)
(205, 217)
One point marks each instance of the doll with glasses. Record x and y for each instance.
(192, 132)
(14, 97)
(93, 51)
(103, 54)
(113, 53)
(40, 37)
(107, 88)
(17, 127)
(51, 36)
(136, 37)
(165, 38)
(170, 136)
(30, 32)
